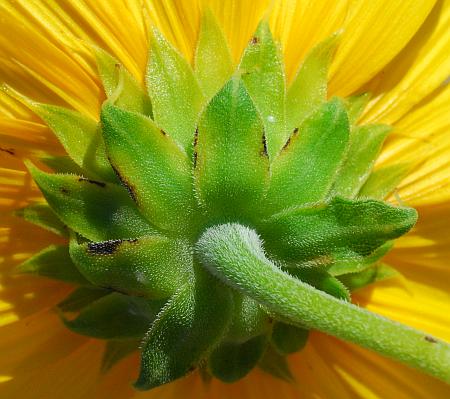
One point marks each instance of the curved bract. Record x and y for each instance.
(218, 215)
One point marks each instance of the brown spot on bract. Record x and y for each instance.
(9, 151)
(294, 133)
(195, 137)
(64, 190)
(124, 182)
(264, 151)
(97, 183)
(195, 159)
(103, 248)
(130, 190)
(107, 247)
(286, 144)
(430, 339)
(163, 132)
(195, 155)
(255, 40)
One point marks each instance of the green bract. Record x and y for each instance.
(217, 217)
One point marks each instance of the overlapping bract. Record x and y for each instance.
(163, 165)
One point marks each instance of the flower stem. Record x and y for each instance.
(234, 254)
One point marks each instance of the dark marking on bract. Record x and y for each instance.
(195, 155)
(195, 137)
(286, 144)
(107, 247)
(64, 190)
(430, 339)
(294, 133)
(254, 40)
(9, 151)
(124, 182)
(97, 183)
(191, 369)
(163, 132)
(264, 151)
(103, 248)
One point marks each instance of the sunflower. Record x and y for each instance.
(263, 244)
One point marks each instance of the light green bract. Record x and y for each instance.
(217, 217)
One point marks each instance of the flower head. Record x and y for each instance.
(214, 214)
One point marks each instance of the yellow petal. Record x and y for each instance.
(371, 376)
(16, 189)
(418, 70)
(115, 28)
(12, 109)
(36, 65)
(24, 295)
(48, 362)
(416, 304)
(422, 136)
(21, 138)
(423, 254)
(374, 33)
(44, 50)
(34, 342)
(179, 21)
(302, 24)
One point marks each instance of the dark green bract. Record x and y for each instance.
(217, 217)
